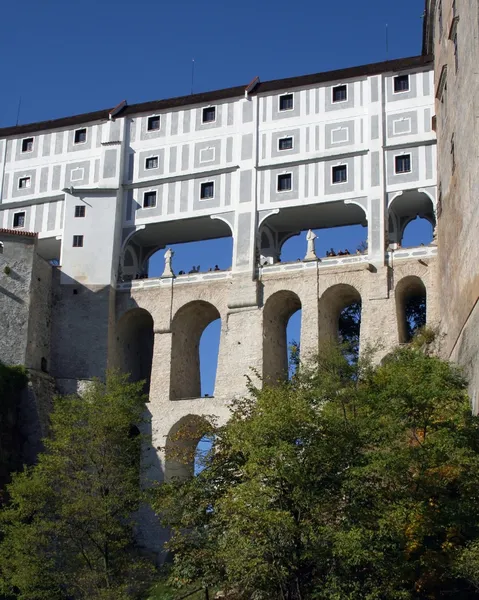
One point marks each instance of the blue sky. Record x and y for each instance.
(65, 57)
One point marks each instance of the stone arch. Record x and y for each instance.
(187, 328)
(333, 301)
(135, 339)
(408, 289)
(406, 206)
(180, 448)
(277, 311)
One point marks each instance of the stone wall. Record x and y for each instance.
(16, 264)
(457, 108)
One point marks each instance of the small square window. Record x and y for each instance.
(19, 219)
(340, 93)
(80, 136)
(151, 162)
(285, 143)
(27, 145)
(401, 84)
(80, 211)
(24, 183)
(402, 163)
(286, 102)
(285, 182)
(340, 174)
(149, 200)
(207, 190)
(209, 114)
(153, 123)
(78, 241)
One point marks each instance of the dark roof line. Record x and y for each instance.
(207, 97)
(18, 232)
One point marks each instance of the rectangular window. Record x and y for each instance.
(24, 183)
(19, 219)
(80, 211)
(285, 182)
(151, 162)
(78, 241)
(402, 163)
(401, 84)
(207, 190)
(149, 200)
(340, 174)
(340, 93)
(286, 102)
(153, 123)
(27, 145)
(80, 136)
(209, 114)
(285, 143)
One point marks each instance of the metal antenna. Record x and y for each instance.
(192, 74)
(387, 42)
(18, 110)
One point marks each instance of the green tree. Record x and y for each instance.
(350, 481)
(68, 530)
(12, 381)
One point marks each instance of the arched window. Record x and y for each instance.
(417, 232)
(340, 317)
(277, 312)
(135, 345)
(182, 456)
(187, 329)
(411, 307)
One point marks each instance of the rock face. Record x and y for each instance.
(25, 318)
(452, 35)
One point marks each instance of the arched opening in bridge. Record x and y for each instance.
(341, 231)
(187, 328)
(279, 359)
(135, 340)
(183, 456)
(340, 318)
(411, 219)
(411, 307)
(200, 245)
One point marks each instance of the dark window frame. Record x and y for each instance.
(338, 90)
(77, 241)
(149, 199)
(207, 113)
(28, 182)
(19, 220)
(337, 174)
(283, 178)
(403, 161)
(397, 86)
(288, 138)
(80, 136)
(152, 158)
(153, 123)
(204, 190)
(286, 102)
(80, 211)
(26, 142)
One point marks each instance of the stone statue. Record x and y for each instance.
(311, 251)
(168, 271)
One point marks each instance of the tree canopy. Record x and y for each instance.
(350, 481)
(68, 530)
